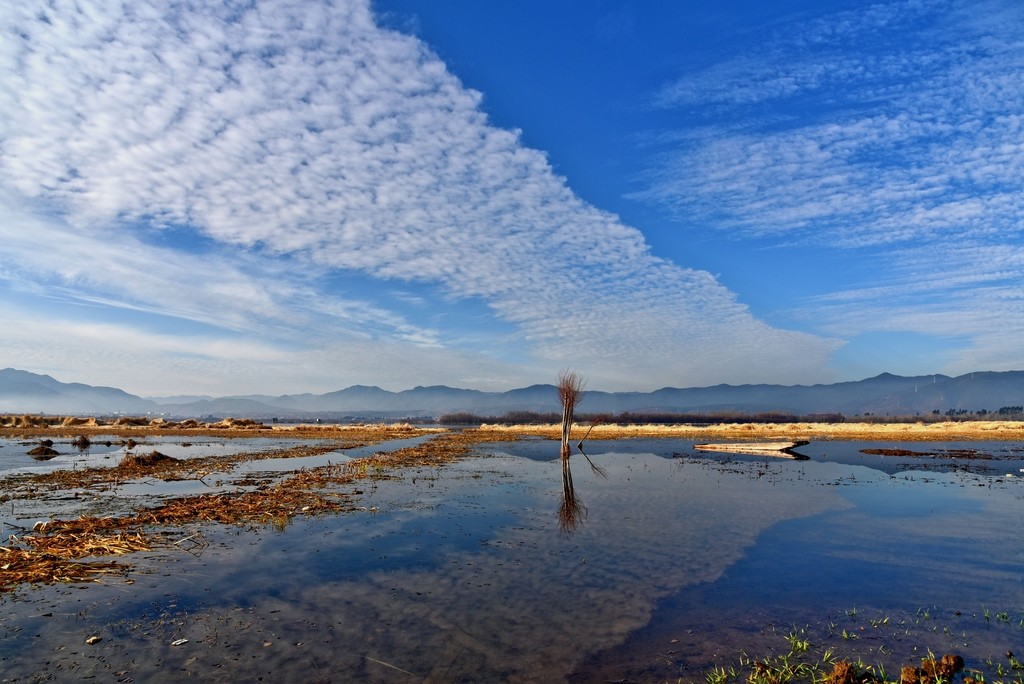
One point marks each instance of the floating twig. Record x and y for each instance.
(393, 667)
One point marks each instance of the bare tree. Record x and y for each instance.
(570, 392)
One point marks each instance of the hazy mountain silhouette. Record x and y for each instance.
(885, 394)
(24, 392)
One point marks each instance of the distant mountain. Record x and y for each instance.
(234, 407)
(181, 398)
(24, 392)
(885, 394)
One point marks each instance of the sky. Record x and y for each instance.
(210, 197)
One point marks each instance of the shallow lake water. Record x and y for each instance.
(677, 561)
(105, 451)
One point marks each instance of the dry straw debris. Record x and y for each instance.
(22, 566)
(54, 550)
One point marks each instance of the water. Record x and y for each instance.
(105, 451)
(124, 496)
(464, 573)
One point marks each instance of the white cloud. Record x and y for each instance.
(214, 362)
(949, 292)
(893, 132)
(303, 136)
(885, 132)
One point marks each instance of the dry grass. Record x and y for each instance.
(21, 566)
(947, 431)
(72, 545)
(52, 552)
(27, 426)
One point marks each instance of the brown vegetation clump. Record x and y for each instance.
(843, 673)
(73, 421)
(932, 670)
(72, 545)
(21, 566)
(275, 504)
(53, 551)
(134, 461)
(236, 423)
(441, 449)
(25, 421)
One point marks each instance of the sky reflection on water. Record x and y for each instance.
(105, 451)
(463, 573)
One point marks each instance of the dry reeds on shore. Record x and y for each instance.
(911, 432)
(34, 425)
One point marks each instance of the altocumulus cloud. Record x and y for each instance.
(301, 140)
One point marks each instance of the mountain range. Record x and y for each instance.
(885, 394)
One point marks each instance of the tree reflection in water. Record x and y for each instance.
(572, 512)
(570, 391)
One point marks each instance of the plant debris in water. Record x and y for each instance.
(51, 552)
(170, 469)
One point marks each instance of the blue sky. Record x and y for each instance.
(271, 197)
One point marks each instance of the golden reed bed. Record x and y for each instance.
(27, 426)
(897, 432)
(41, 426)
